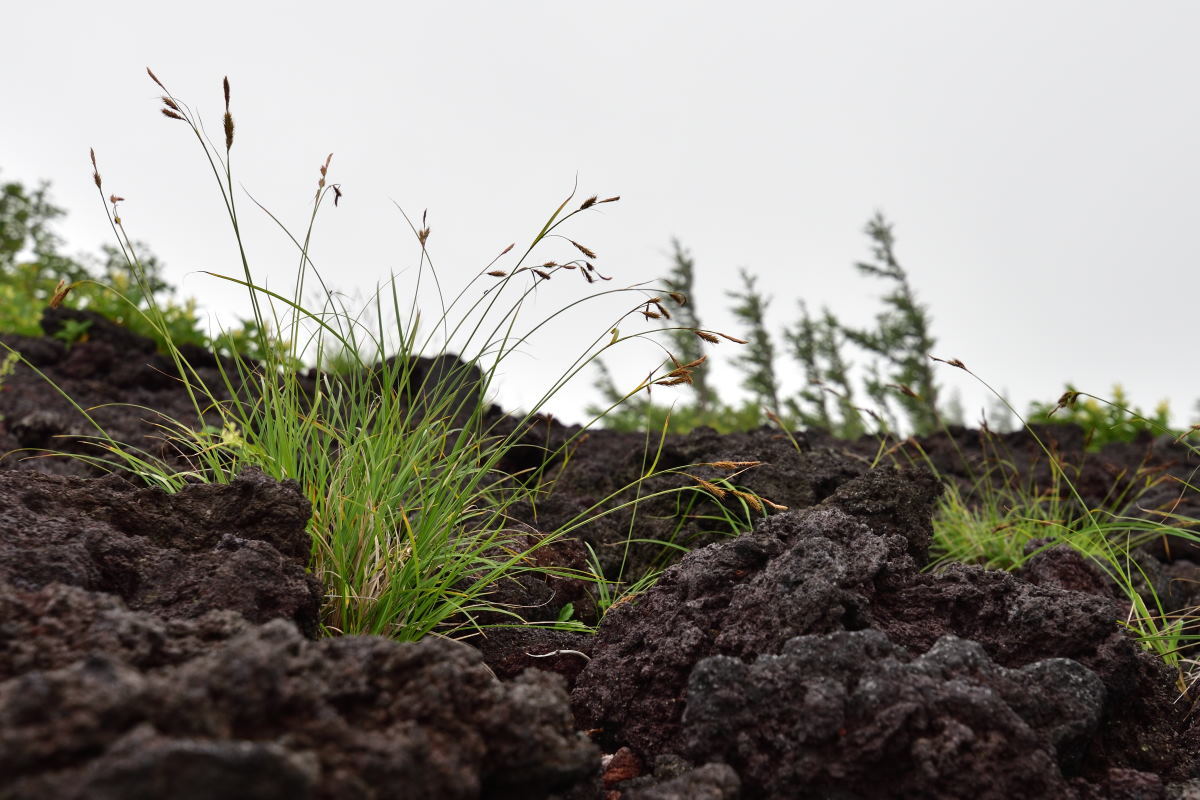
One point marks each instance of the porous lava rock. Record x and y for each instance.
(851, 565)
(284, 716)
(241, 547)
(850, 713)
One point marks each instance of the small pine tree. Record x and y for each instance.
(817, 345)
(805, 340)
(902, 339)
(758, 360)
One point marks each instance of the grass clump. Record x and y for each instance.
(1002, 522)
(389, 436)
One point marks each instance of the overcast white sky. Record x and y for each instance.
(1038, 158)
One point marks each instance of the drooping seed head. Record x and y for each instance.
(172, 114)
(585, 250)
(710, 487)
(706, 336)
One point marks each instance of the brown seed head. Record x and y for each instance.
(591, 201)
(954, 362)
(734, 464)
(679, 297)
(60, 293)
(732, 338)
(154, 78)
(169, 113)
(423, 235)
(650, 314)
(228, 130)
(1068, 399)
(586, 251)
(225, 85)
(751, 499)
(95, 169)
(541, 273)
(505, 250)
(706, 336)
(710, 487)
(337, 193)
(112, 198)
(498, 273)
(169, 103)
(609, 200)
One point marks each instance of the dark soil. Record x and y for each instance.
(156, 645)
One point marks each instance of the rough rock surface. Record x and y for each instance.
(155, 645)
(241, 547)
(720, 621)
(353, 716)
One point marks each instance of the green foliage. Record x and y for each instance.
(32, 265)
(1104, 421)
